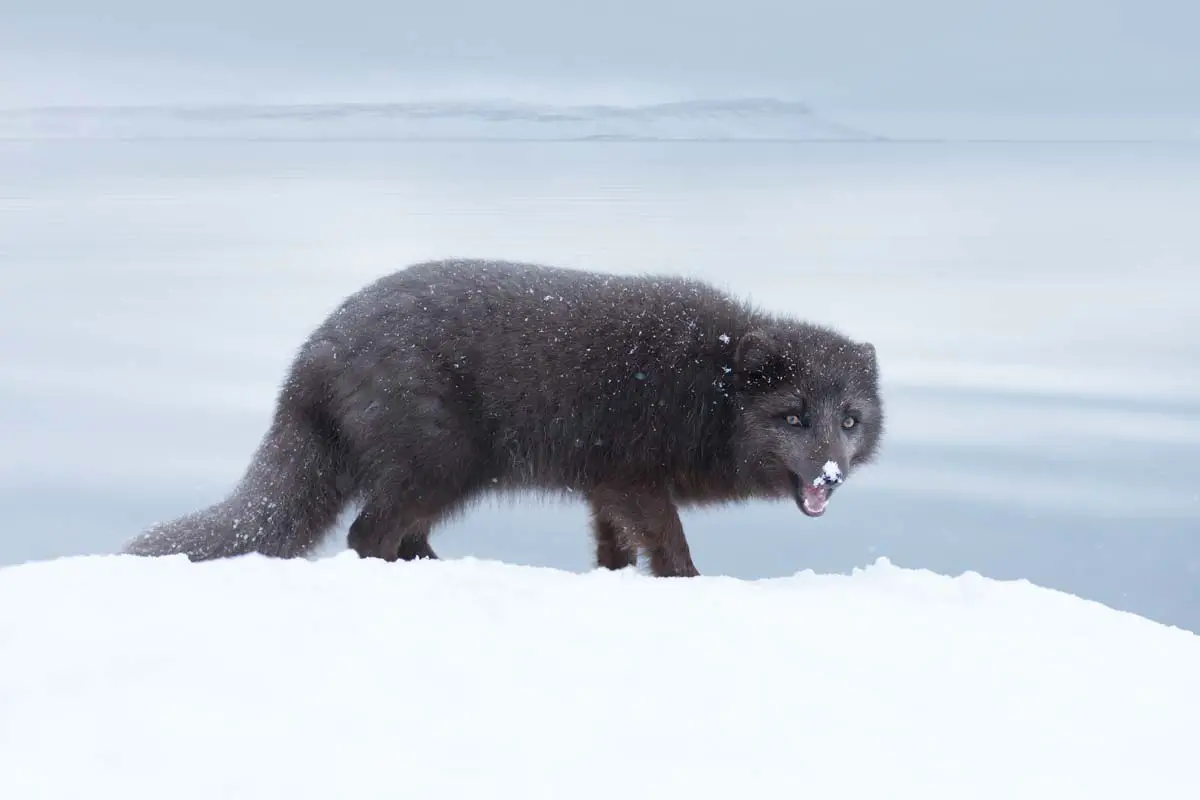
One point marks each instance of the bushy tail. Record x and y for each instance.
(290, 495)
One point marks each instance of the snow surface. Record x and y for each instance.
(143, 678)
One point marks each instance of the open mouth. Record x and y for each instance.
(813, 497)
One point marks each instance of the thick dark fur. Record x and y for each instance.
(447, 380)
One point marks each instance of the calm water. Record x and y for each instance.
(1035, 307)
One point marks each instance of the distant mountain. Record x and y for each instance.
(752, 119)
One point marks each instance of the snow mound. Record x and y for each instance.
(253, 678)
(738, 119)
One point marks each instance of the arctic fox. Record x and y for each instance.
(447, 380)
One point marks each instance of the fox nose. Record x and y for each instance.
(827, 473)
(830, 475)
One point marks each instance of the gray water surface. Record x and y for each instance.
(1035, 307)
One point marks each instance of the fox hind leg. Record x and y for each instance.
(376, 533)
(414, 545)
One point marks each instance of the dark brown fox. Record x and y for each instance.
(451, 379)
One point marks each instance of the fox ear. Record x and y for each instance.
(762, 355)
(754, 351)
(867, 350)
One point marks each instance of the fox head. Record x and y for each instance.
(808, 412)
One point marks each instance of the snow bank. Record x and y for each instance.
(752, 119)
(249, 678)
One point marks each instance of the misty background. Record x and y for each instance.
(1052, 56)
(1001, 196)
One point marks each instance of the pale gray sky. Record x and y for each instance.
(1048, 55)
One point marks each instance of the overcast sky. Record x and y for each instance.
(1106, 55)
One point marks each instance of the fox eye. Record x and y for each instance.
(849, 422)
(792, 419)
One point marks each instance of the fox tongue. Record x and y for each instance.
(813, 500)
